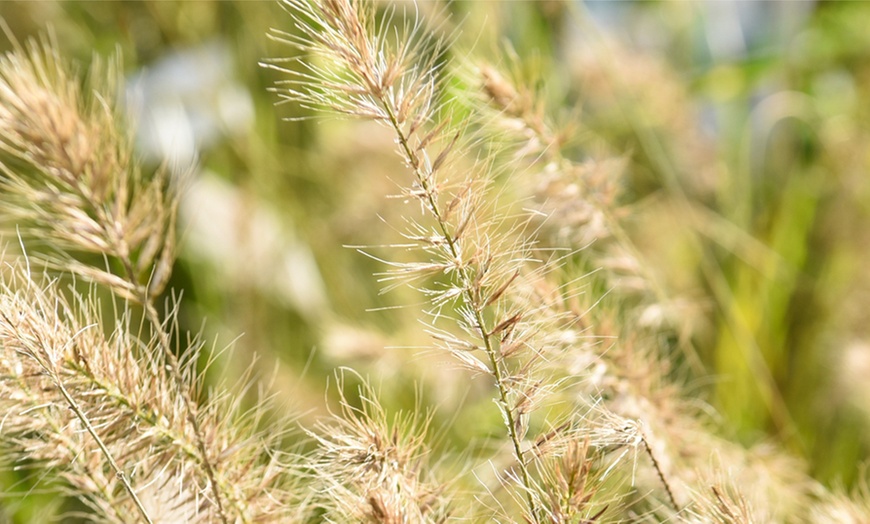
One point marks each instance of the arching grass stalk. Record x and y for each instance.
(471, 299)
(361, 71)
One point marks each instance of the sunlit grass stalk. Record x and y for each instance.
(639, 375)
(472, 299)
(190, 405)
(395, 84)
(42, 337)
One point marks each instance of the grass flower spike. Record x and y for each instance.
(479, 265)
(70, 179)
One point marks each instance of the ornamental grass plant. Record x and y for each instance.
(390, 263)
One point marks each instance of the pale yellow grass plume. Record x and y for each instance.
(118, 415)
(369, 467)
(95, 403)
(476, 261)
(843, 507)
(721, 504)
(69, 178)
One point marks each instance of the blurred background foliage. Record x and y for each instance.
(745, 130)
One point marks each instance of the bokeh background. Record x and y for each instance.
(746, 132)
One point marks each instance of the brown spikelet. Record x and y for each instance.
(477, 248)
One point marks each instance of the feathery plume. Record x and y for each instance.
(70, 182)
(477, 251)
(97, 404)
